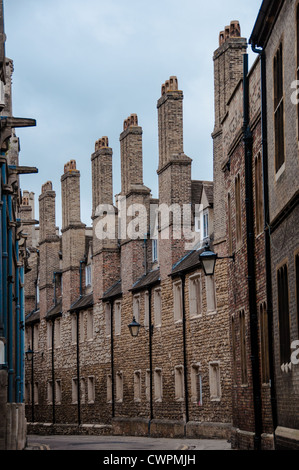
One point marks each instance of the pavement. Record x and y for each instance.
(122, 443)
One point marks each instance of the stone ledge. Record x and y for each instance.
(208, 430)
(45, 429)
(287, 438)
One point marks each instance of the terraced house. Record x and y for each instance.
(178, 315)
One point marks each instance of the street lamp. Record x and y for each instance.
(208, 259)
(134, 328)
(29, 354)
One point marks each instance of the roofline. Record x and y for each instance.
(265, 22)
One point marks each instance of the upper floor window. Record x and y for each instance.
(258, 194)
(154, 250)
(88, 275)
(206, 224)
(229, 222)
(278, 109)
(178, 301)
(283, 313)
(238, 208)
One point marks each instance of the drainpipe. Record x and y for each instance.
(262, 55)
(78, 369)
(1, 268)
(112, 356)
(182, 276)
(251, 263)
(17, 327)
(22, 334)
(32, 373)
(10, 305)
(150, 334)
(53, 375)
(4, 261)
(83, 261)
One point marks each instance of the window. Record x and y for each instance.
(49, 334)
(211, 294)
(88, 275)
(243, 348)
(206, 224)
(74, 329)
(109, 388)
(82, 390)
(58, 392)
(146, 309)
(74, 390)
(215, 388)
(233, 336)
(50, 393)
(137, 385)
(81, 326)
(91, 389)
(117, 317)
(57, 333)
(108, 318)
(258, 194)
(158, 307)
(35, 336)
(158, 384)
(119, 387)
(264, 343)
(238, 209)
(278, 108)
(36, 390)
(196, 384)
(89, 325)
(195, 295)
(154, 250)
(28, 393)
(283, 314)
(230, 237)
(179, 382)
(136, 307)
(148, 384)
(178, 301)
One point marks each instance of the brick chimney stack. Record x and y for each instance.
(101, 167)
(49, 245)
(106, 256)
(73, 233)
(132, 187)
(228, 71)
(131, 154)
(170, 121)
(47, 216)
(174, 170)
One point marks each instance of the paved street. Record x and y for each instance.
(111, 443)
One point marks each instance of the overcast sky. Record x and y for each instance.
(82, 67)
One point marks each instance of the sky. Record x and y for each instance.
(82, 67)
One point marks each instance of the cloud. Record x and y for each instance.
(82, 67)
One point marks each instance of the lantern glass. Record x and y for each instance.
(29, 354)
(208, 259)
(134, 328)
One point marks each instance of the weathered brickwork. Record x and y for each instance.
(190, 363)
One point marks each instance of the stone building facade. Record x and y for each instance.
(13, 265)
(275, 38)
(89, 374)
(215, 355)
